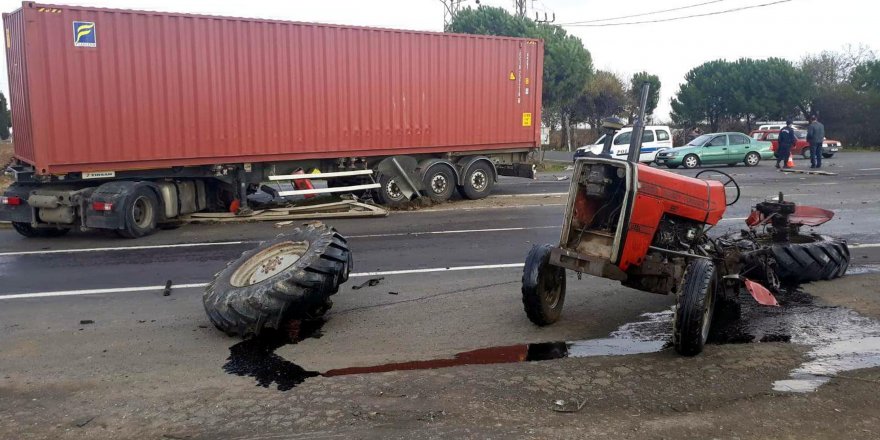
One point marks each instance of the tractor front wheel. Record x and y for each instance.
(543, 287)
(694, 309)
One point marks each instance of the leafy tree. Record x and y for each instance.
(866, 77)
(5, 118)
(702, 97)
(605, 95)
(635, 91)
(491, 21)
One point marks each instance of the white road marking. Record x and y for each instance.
(458, 231)
(504, 196)
(200, 285)
(537, 205)
(121, 248)
(863, 246)
(870, 169)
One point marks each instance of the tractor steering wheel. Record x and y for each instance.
(726, 183)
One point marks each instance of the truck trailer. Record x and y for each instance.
(126, 120)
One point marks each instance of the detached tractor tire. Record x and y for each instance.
(824, 258)
(752, 159)
(695, 307)
(388, 193)
(690, 161)
(543, 287)
(29, 231)
(289, 277)
(478, 181)
(140, 213)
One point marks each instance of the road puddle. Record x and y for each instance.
(840, 339)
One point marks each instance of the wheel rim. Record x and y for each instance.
(142, 212)
(479, 180)
(707, 312)
(691, 162)
(439, 184)
(268, 263)
(752, 159)
(551, 287)
(393, 190)
(806, 153)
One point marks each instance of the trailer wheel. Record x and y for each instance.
(29, 231)
(543, 287)
(695, 307)
(140, 213)
(439, 183)
(816, 257)
(478, 181)
(288, 277)
(388, 193)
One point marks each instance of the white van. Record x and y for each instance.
(655, 138)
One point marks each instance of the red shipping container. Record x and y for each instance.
(102, 89)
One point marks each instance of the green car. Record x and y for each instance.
(716, 148)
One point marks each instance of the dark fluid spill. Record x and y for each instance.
(256, 357)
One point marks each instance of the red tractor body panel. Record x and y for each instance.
(662, 193)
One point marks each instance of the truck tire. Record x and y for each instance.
(543, 287)
(439, 183)
(478, 181)
(388, 193)
(694, 308)
(288, 277)
(140, 213)
(824, 258)
(752, 159)
(29, 231)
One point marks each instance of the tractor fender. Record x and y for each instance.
(117, 193)
(465, 163)
(427, 164)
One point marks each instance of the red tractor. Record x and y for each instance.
(648, 229)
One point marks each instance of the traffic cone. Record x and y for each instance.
(790, 163)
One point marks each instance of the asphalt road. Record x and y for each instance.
(451, 284)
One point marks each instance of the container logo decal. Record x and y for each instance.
(84, 34)
(527, 120)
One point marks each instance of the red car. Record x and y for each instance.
(829, 146)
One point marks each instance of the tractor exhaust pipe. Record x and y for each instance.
(635, 143)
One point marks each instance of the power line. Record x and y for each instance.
(644, 13)
(662, 20)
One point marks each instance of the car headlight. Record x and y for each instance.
(670, 153)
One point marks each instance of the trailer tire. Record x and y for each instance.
(439, 183)
(29, 231)
(388, 193)
(140, 213)
(288, 277)
(825, 258)
(543, 287)
(478, 181)
(694, 308)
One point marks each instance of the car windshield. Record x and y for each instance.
(600, 140)
(700, 140)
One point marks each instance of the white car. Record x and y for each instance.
(655, 138)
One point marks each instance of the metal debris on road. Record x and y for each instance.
(818, 173)
(86, 321)
(167, 290)
(369, 283)
(83, 421)
(572, 405)
(394, 293)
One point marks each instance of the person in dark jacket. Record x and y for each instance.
(815, 136)
(787, 139)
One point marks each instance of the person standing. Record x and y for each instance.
(815, 137)
(787, 139)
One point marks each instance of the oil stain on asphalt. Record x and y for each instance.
(840, 340)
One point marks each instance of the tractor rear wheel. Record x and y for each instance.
(810, 258)
(543, 287)
(695, 307)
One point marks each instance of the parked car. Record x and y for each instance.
(802, 147)
(655, 138)
(717, 148)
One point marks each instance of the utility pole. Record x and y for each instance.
(520, 7)
(450, 10)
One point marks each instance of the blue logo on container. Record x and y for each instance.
(84, 34)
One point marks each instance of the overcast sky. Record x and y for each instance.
(668, 49)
